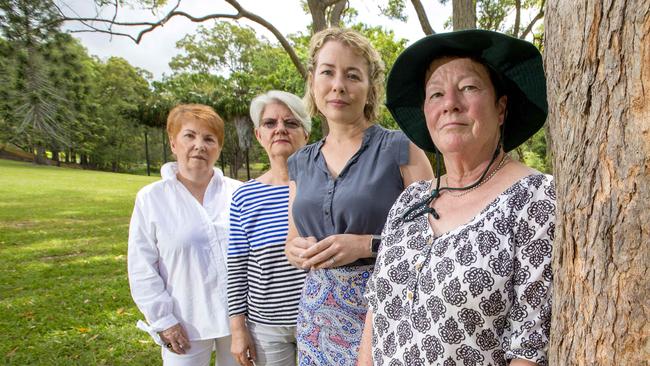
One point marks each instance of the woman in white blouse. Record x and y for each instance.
(178, 239)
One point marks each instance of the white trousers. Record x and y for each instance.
(275, 346)
(200, 352)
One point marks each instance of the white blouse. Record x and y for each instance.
(177, 255)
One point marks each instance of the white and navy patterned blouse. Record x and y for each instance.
(261, 282)
(477, 295)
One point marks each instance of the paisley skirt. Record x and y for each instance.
(331, 315)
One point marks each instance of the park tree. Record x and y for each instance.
(7, 93)
(120, 89)
(70, 70)
(597, 59)
(27, 25)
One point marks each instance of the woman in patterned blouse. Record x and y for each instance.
(463, 276)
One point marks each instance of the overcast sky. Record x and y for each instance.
(158, 47)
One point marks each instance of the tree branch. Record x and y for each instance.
(422, 17)
(151, 26)
(517, 18)
(537, 17)
(337, 12)
(283, 41)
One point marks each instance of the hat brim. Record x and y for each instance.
(518, 63)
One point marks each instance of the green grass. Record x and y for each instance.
(64, 294)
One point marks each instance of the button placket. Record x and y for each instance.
(420, 261)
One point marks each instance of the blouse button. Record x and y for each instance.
(418, 266)
(430, 240)
(410, 295)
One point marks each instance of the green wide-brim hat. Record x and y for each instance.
(518, 63)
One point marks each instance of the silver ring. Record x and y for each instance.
(332, 261)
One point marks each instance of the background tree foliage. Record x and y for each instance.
(96, 113)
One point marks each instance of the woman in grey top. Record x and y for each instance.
(341, 189)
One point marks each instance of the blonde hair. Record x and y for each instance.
(202, 113)
(360, 45)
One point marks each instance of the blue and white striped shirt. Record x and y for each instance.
(261, 282)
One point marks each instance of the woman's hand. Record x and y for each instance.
(242, 346)
(337, 250)
(175, 338)
(295, 250)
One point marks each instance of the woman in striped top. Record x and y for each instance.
(263, 288)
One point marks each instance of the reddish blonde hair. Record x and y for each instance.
(202, 113)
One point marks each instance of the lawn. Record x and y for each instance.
(64, 294)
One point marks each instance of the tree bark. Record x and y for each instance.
(319, 10)
(463, 14)
(39, 157)
(55, 157)
(422, 17)
(164, 146)
(597, 57)
(146, 152)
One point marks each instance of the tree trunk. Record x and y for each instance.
(463, 14)
(597, 57)
(146, 152)
(55, 157)
(248, 166)
(326, 13)
(39, 156)
(422, 17)
(164, 146)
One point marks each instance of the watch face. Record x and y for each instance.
(376, 241)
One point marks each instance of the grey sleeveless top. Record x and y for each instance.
(358, 200)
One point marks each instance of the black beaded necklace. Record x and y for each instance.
(424, 206)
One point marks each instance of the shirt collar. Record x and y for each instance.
(368, 133)
(169, 170)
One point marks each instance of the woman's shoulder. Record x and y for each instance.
(414, 192)
(231, 184)
(387, 135)
(308, 150)
(535, 191)
(254, 187)
(303, 155)
(539, 184)
(153, 190)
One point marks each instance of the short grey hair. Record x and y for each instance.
(291, 101)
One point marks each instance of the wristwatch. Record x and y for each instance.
(375, 242)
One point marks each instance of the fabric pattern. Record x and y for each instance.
(332, 315)
(477, 295)
(329, 332)
(261, 282)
